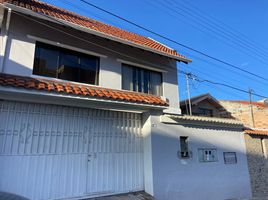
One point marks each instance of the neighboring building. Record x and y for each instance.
(88, 109)
(204, 105)
(253, 115)
(255, 119)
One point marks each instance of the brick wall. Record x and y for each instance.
(256, 145)
(242, 112)
(257, 164)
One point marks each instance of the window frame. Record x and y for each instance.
(207, 149)
(204, 111)
(184, 153)
(136, 79)
(228, 162)
(66, 48)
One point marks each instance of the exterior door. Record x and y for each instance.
(49, 152)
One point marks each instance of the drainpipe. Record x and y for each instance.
(4, 40)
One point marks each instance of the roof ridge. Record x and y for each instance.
(95, 25)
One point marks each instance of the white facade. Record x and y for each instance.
(54, 147)
(53, 152)
(20, 50)
(190, 179)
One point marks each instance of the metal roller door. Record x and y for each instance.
(53, 152)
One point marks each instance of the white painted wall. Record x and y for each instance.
(147, 147)
(175, 179)
(170, 91)
(110, 73)
(20, 55)
(52, 152)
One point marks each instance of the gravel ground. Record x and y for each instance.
(129, 196)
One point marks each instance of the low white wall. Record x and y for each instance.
(175, 179)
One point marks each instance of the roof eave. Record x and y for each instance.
(173, 119)
(90, 31)
(11, 93)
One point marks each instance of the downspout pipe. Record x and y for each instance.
(4, 33)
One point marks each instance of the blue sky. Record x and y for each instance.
(233, 31)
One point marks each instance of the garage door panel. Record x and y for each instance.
(44, 177)
(49, 151)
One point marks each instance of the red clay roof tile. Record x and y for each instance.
(59, 86)
(256, 132)
(108, 30)
(261, 104)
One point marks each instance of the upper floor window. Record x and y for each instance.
(57, 62)
(141, 80)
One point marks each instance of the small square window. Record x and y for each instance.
(230, 157)
(207, 155)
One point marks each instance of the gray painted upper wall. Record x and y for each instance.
(20, 50)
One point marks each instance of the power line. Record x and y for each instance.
(210, 63)
(173, 41)
(196, 78)
(201, 85)
(191, 76)
(215, 26)
(81, 8)
(201, 59)
(231, 30)
(194, 56)
(214, 31)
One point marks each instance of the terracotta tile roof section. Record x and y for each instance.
(108, 30)
(260, 104)
(58, 86)
(257, 132)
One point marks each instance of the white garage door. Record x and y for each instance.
(49, 151)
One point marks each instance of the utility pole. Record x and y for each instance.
(251, 107)
(188, 92)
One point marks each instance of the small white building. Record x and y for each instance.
(87, 109)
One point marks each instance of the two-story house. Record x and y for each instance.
(88, 109)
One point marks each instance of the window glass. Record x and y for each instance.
(89, 70)
(65, 64)
(46, 61)
(156, 81)
(141, 80)
(127, 78)
(68, 68)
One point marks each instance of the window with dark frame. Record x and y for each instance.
(230, 157)
(141, 80)
(57, 62)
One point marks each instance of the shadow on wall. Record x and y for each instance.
(192, 178)
(21, 27)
